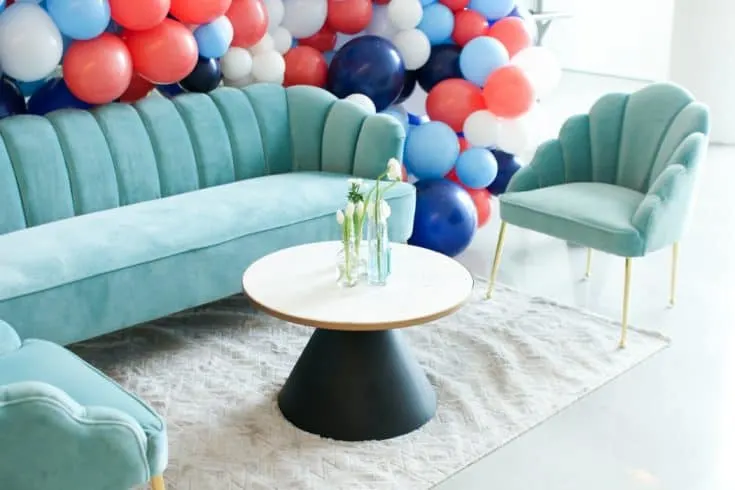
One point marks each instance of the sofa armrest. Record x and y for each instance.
(381, 138)
(9, 340)
(49, 441)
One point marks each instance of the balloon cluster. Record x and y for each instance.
(474, 62)
(118, 50)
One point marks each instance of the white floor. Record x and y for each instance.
(667, 424)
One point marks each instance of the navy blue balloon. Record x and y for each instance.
(446, 217)
(409, 85)
(368, 65)
(12, 101)
(54, 95)
(508, 165)
(170, 90)
(414, 120)
(205, 77)
(443, 64)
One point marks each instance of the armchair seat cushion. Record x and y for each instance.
(595, 215)
(41, 361)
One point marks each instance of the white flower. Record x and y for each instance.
(340, 217)
(394, 169)
(355, 182)
(349, 210)
(359, 209)
(384, 211)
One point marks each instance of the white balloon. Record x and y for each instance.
(269, 67)
(265, 45)
(363, 101)
(282, 39)
(514, 135)
(414, 47)
(405, 14)
(481, 128)
(380, 24)
(237, 63)
(238, 83)
(275, 11)
(30, 43)
(304, 18)
(541, 67)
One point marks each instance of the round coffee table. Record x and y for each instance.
(356, 379)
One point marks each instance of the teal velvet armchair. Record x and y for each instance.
(64, 425)
(620, 179)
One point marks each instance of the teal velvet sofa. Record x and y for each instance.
(128, 213)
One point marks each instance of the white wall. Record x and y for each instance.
(625, 38)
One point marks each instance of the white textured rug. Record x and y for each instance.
(499, 367)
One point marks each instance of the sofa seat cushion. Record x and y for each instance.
(69, 250)
(38, 360)
(594, 215)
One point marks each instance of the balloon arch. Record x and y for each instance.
(469, 67)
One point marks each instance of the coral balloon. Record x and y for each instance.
(463, 144)
(452, 101)
(508, 93)
(468, 25)
(249, 20)
(455, 5)
(482, 200)
(349, 16)
(138, 89)
(165, 54)
(305, 66)
(139, 15)
(323, 41)
(199, 11)
(99, 70)
(512, 32)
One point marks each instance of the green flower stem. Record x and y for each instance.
(346, 231)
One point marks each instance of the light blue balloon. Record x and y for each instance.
(437, 23)
(431, 150)
(493, 9)
(425, 3)
(476, 168)
(2, 5)
(480, 57)
(80, 19)
(214, 38)
(400, 114)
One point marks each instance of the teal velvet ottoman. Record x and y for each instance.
(66, 426)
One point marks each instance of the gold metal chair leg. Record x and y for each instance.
(157, 483)
(626, 301)
(674, 268)
(588, 270)
(496, 260)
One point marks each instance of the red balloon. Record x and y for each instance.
(452, 101)
(249, 20)
(139, 15)
(512, 32)
(165, 54)
(99, 70)
(324, 40)
(463, 144)
(381, 2)
(305, 66)
(404, 174)
(349, 16)
(508, 93)
(455, 5)
(482, 199)
(139, 88)
(468, 25)
(199, 11)
(452, 175)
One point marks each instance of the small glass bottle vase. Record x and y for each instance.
(348, 265)
(378, 253)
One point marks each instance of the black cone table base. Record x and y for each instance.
(357, 386)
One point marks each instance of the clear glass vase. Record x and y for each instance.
(348, 265)
(378, 262)
(361, 250)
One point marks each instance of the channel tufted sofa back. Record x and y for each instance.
(72, 162)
